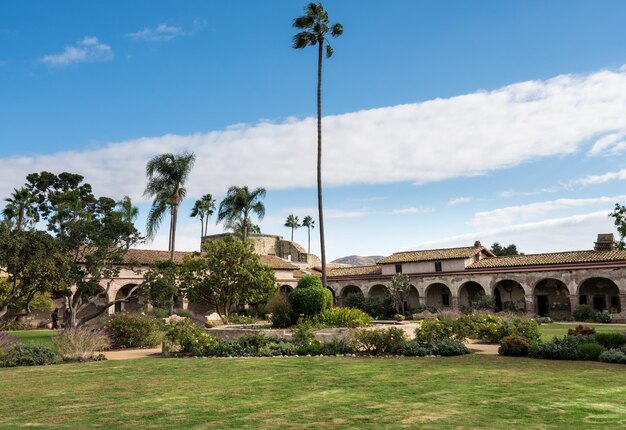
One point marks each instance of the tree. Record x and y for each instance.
(316, 25)
(35, 264)
(161, 285)
(227, 274)
(94, 235)
(293, 223)
(239, 204)
(619, 219)
(203, 208)
(236, 226)
(21, 208)
(167, 174)
(309, 223)
(503, 251)
(127, 210)
(399, 289)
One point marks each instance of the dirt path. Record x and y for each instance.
(483, 348)
(126, 354)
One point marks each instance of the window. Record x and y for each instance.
(615, 301)
(398, 268)
(582, 300)
(437, 266)
(445, 299)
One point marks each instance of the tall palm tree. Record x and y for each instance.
(236, 226)
(203, 208)
(240, 203)
(167, 174)
(293, 223)
(127, 210)
(315, 26)
(309, 223)
(21, 206)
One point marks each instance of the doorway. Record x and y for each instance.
(599, 303)
(543, 306)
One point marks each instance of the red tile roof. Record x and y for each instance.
(355, 271)
(434, 254)
(555, 258)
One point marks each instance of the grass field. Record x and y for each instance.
(548, 331)
(475, 391)
(43, 337)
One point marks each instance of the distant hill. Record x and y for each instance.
(358, 260)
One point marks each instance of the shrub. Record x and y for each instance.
(557, 348)
(411, 349)
(372, 306)
(252, 342)
(430, 331)
(184, 313)
(581, 330)
(375, 342)
(223, 348)
(310, 297)
(514, 345)
(522, 326)
(160, 313)
(241, 319)
(279, 307)
(304, 339)
(603, 317)
(273, 349)
(128, 331)
(399, 317)
(589, 351)
(7, 349)
(13, 326)
(488, 327)
(186, 338)
(613, 356)
(341, 317)
(32, 354)
(80, 343)
(584, 313)
(610, 340)
(336, 346)
(448, 347)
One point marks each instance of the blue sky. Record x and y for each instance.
(447, 121)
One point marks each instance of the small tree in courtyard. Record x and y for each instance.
(161, 285)
(399, 289)
(227, 274)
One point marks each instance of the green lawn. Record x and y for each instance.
(548, 331)
(43, 337)
(473, 391)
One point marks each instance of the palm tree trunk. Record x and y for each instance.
(309, 241)
(292, 234)
(169, 243)
(319, 159)
(245, 227)
(174, 219)
(20, 219)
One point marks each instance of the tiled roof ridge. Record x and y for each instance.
(439, 249)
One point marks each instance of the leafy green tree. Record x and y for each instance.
(93, 234)
(161, 285)
(203, 208)
(293, 223)
(619, 219)
(503, 251)
(239, 204)
(315, 27)
(128, 211)
(21, 208)
(399, 289)
(309, 223)
(227, 274)
(167, 175)
(35, 263)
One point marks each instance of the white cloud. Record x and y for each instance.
(611, 144)
(90, 49)
(422, 142)
(511, 193)
(412, 210)
(512, 214)
(460, 201)
(160, 33)
(602, 179)
(552, 235)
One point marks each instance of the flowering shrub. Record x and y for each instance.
(341, 317)
(129, 331)
(184, 337)
(375, 342)
(581, 330)
(80, 343)
(514, 345)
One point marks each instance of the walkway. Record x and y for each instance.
(126, 354)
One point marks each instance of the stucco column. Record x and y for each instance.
(530, 303)
(454, 303)
(573, 301)
(622, 302)
(111, 310)
(185, 303)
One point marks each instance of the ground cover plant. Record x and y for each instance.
(471, 391)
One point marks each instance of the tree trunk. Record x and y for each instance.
(169, 243)
(309, 241)
(245, 227)
(174, 219)
(20, 219)
(320, 44)
(292, 234)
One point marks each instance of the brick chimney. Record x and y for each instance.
(605, 242)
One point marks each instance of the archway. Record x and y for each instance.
(470, 294)
(509, 296)
(552, 298)
(439, 296)
(285, 290)
(600, 293)
(334, 297)
(379, 291)
(133, 304)
(413, 299)
(349, 290)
